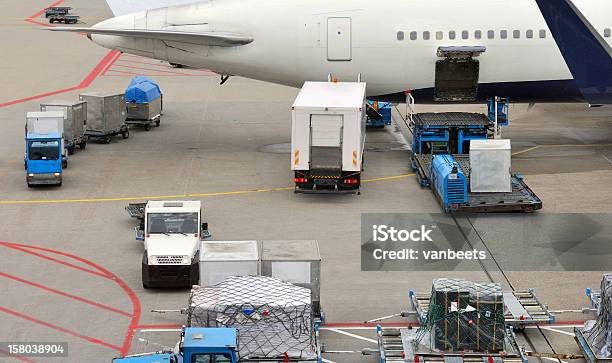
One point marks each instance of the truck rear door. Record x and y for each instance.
(326, 142)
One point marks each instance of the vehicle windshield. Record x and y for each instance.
(43, 150)
(172, 223)
(211, 358)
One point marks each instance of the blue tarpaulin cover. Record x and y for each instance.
(142, 90)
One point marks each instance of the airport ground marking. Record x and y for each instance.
(15, 356)
(136, 306)
(560, 146)
(59, 328)
(65, 294)
(177, 196)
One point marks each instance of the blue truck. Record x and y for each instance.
(43, 159)
(210, 345)
(379, 114)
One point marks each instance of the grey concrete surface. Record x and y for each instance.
(215, 141)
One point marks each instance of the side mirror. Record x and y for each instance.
(205, 226)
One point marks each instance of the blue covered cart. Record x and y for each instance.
(143, 103)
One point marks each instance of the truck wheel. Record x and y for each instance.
(71, 150)
(144, 285)
(147, 127)
(107, 139)
(65, 164)
(30, 185)
(157, 122)
(83, 144)
(125, 135)
(59, 184)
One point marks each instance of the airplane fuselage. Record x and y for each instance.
(391, 43)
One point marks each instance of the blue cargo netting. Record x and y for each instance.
(142, 90)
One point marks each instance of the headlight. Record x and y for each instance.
(186, 260)
(30, 175)
(56, 174)
(152, 260)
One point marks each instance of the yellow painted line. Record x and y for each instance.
(560, 145)
(176, 196)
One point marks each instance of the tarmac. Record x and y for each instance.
(70, 266)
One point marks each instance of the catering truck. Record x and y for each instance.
(171, 231)
(328, 136)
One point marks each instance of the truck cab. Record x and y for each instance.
(197, 345)
(43, 159)
(172, 231)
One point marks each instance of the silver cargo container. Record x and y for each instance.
(295, 261)
(75, 120)
(144, 111)
(105, 111)
(221, 259)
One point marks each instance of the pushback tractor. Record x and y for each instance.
(171, 232)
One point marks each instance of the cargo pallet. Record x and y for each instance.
(522, 198)
(587, 349)
(521, 308)
(57, 10)
(396, 345)
(146, 123)
(106, 136)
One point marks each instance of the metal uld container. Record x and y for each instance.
(105, 110)
(75, 116)
(490, 164)
(221, 259)
(295, 261)
(144, 111)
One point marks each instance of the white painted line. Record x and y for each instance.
(353, 335)
(556, 326)
(558, 331)
(327, 360)
(554, 359)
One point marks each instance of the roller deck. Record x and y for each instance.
(397, 345)
(522, 198)
(521, 308)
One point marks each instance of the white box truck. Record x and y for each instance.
(328, 136)
(172, 234)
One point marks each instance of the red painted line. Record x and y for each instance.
(129, 74)
(120, 73)
(359, 325)
(127, 343)
(38, 23)
(71, 296)
(59, 328)
(40, 12)
(56, 260)
(98, 68)
(18, 357)
(159, 326)
(111, 63)
(154, 70)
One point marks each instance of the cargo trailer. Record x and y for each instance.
(328, 136)
(105, 115)
(75, 121)
(144, 103)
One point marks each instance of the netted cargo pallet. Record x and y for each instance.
(595, 339)
(274, 318)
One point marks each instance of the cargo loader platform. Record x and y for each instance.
(521, 308)
(397, 345)
(589, 353)
(521, 199)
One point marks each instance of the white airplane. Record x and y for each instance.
(395, 45)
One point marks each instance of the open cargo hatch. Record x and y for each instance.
(457, 74)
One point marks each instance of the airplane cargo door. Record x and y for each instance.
(339, 39)
(326, 142)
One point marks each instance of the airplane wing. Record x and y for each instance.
(219, 39)
(585, 51)
(121, 7)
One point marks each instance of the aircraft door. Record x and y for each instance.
(339, 43)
